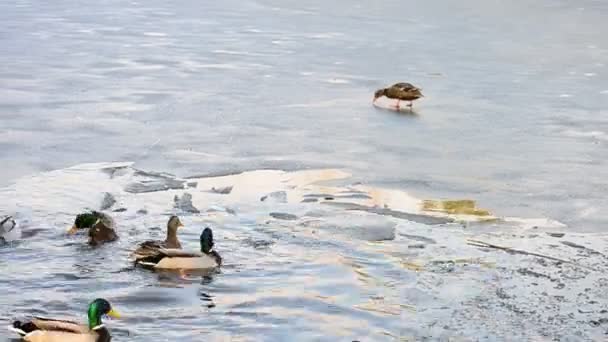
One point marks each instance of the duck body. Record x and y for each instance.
(101, 227)
(179, 259)
(40, 329)
(401, 92)
(171, 258)
(102, 233)
(9, 230)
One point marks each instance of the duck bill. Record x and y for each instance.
(180, 225)
(73, 230)
(114, 314)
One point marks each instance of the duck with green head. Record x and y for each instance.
(101, 227)
(40, 329)
(179, 259)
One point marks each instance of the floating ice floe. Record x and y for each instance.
(307, 200)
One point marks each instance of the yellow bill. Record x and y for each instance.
(114, 314)
(73, 230)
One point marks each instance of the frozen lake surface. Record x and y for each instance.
(515, 118)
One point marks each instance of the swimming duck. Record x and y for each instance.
(40, 329)
(101, 227)
(150, 247)
(8, 229)
(400, 92)
(179, 259)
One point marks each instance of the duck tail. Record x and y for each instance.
(145, 263)
(217, 257)
(22, 328)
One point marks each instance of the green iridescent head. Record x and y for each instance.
(206, 240)
(84, 220)
(98, 308)
(207, 245)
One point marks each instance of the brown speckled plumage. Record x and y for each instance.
(151, 247)
(101, 233)
(400, 92)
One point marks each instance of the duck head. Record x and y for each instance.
(207, 240)
(84, 220)
(379, 93)
(172, 226)
(174, 223)
(98, 308)
(207, 245)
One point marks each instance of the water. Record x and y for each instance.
(514, 117)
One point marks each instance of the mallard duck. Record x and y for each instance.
(40, 329)
(9, 230)
(400, 92)
(149, 247)
(101, 227)
(179, 259)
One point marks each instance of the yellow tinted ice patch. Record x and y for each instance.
(455, 207)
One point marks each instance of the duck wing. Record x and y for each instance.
(404, 86)
(106, 219)
(149, 248)
(101, 233)
(152, 244)
(44, 323)
(150, 253)
(180, 253)
(49, 324)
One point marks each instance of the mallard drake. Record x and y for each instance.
(101, 227)
(178, 259)
(9, 230)
(40, 329)
(400, 92)
(149, 247)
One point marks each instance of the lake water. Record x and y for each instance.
(515, 117)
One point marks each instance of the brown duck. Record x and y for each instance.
(151, 247)
(400, 92)
(101, 227)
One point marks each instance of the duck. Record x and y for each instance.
(149, 247)
(401, 92)
(171, 258)
(40, 329)
(9, 230)
(101, 227)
